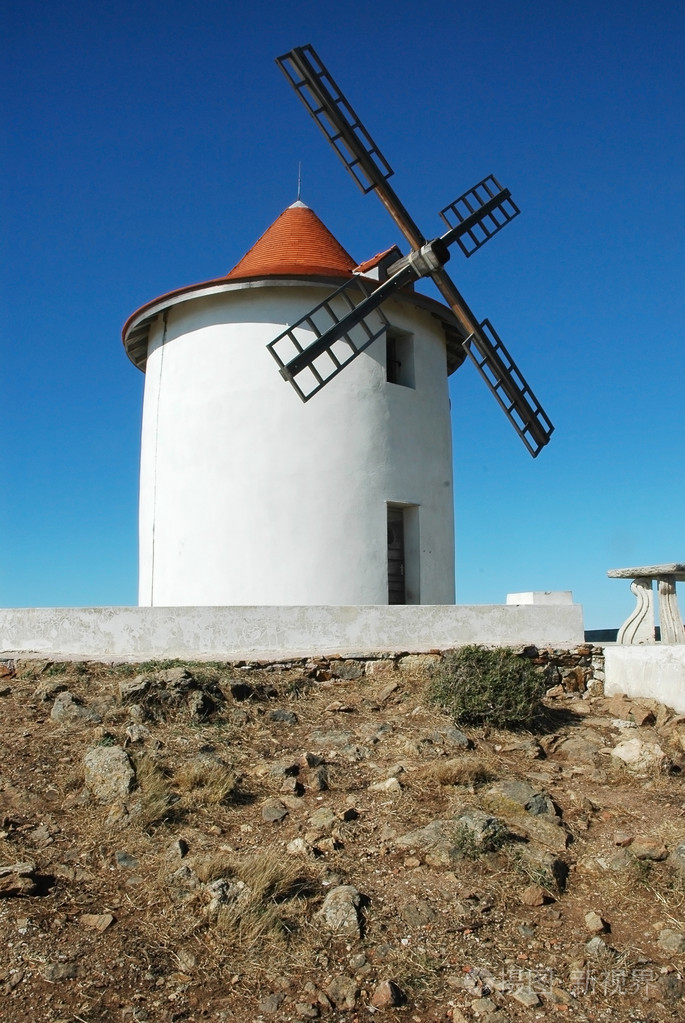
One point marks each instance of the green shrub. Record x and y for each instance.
(477, 685)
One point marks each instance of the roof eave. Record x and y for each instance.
(135, 332)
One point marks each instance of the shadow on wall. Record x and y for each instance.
(610, 635)
(601, 635)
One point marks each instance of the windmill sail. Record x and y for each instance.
(509, 387)
(314, 350)
(335, 117)
(479, 214)
(473, 219)
(341, 317)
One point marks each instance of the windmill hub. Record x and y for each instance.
(424, 261)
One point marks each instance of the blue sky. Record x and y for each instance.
(149, 145)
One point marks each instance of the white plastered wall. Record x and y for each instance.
(249, 496)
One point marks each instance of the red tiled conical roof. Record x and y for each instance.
(296, 243)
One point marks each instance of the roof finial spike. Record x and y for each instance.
(299, 181)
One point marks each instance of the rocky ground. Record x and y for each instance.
(289, 842)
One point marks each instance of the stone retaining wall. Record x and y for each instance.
(580, 670)
(577, 670)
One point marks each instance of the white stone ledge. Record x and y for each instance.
(269, 633)
(541, 597)
(656, 671)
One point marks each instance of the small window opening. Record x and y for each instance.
(399, 357)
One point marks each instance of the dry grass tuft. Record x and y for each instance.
(153, 805)
(210, 782)
(251, 925)
(468, 771)
(273, 900)
(215, 865)
(270, 877)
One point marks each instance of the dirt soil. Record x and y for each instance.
(170, 836)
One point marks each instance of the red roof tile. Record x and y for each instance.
(370, 264)
(296, 243)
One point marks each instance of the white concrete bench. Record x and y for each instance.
(639, 627)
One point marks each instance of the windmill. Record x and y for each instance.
(340, 324)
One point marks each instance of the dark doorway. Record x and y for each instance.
(396, 586)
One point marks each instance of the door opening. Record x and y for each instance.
(396, 582)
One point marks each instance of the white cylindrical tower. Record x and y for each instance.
(248, 495)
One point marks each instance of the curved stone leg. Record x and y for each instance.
(669, 612)
(639, 628)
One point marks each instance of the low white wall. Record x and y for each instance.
(653, 670)
(235, 633)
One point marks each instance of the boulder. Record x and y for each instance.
(67, 708)
(514, 796)
(340, 912)
(640, 757)
(109, 773)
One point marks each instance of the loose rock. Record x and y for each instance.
(323, 820)
(533, 895)
(388, 995)
(284, 717)
(98, 921)
(271, 1003)
(17, 879)
(640, 757)
(452, 736)
(125, 861)
(67, 708)
(594, 923)
(390, 785)
(418, 914)
(340, 911)
(343, 992)
(273, 810)
(677, 857)
(648, 849)
(525, 996)
(672, 941)
(479, 831)
(515, 796)
(483, 1007)
(131, 690)
(54, 972)
(109, 773)
(318, 779)
(597, 947)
